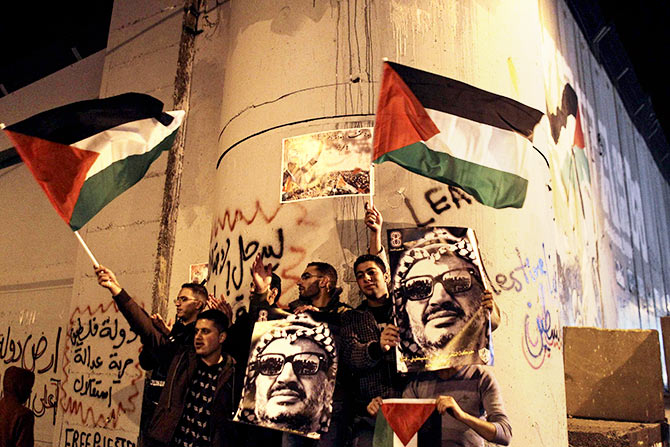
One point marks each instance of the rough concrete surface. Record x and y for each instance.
(599, 433)
(613, 374)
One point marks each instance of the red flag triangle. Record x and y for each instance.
(401, 119)
(58, 168)
(406, 416)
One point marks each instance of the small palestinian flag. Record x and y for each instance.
(455, 133)
(87, 153)
(402, 417)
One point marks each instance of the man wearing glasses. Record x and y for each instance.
(291, 378)
(159, 344)
(438, 293)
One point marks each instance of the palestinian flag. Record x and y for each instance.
(87, 153)
(402, 417)
(455, 133)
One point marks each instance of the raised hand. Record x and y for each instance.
(261, 275)
(107, 279)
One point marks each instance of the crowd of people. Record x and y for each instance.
(319, 376)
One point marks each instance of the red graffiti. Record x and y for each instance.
(238, 216)
(75, 404)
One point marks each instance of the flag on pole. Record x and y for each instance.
(455, 133)
(87, 153)
(402, 417)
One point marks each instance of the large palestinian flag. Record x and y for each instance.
(455, 133)
(85, 154)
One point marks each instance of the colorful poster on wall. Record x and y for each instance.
(198, 273)
(437, 282)
(326, 164)
(296, 398)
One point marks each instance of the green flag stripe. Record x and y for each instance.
(491, 187)
(109, 183)
(383, 436)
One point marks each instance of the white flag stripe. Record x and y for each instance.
(133, 138)
(479, 143)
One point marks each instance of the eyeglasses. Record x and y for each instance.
(305, 276)
(182, 299)
(304, 363)
(421, 287)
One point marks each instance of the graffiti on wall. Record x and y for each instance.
(39, 355)
(541, 334)
(101, 373)
(238, 237)
(439, 200)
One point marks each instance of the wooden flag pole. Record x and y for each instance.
(372, 180)
(96, 264)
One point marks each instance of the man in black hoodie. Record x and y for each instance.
(16, 421)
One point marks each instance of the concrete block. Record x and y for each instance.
(613, 374)
(665, 335)
(599, 433)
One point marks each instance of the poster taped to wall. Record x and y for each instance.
(326, 164)
(296, 398)
(198, 273)
(437, 282)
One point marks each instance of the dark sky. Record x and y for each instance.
(38, 38)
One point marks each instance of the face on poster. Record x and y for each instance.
(326, 164)
(290, 377)
(437, 291)
(198, 273)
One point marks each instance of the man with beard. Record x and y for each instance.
(319, 296)
(369, 334)
(438, 292)
(291, 378)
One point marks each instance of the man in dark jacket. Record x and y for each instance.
(320, 297)
(181, 358)
(16, 421)
(195, 407)
(158, 346)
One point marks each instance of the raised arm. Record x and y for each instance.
(138, 319)
(374, 221)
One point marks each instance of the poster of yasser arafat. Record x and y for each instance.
(326, 164)
(290, 376)
(437, 282)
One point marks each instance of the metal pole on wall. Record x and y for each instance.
(170, 208)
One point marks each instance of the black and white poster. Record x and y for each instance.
(290, 376)
(437, 282)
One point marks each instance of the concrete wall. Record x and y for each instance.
(39, 251)
(587, 248)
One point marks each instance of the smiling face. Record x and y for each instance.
(456, 295)
(288, 395)
(372, 281)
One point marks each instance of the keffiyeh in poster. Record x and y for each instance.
(437, 282)
(291, 376)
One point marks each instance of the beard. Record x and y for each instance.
(305, 419)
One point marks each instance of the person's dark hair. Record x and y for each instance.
(275, 283)
(326, 270)
(368, 257)
(198, 290)
(215, 316)
(18, 382)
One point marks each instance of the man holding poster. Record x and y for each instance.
(441, 304)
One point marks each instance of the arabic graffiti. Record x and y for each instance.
(30, 353)
(100, 366)
(539, 337)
